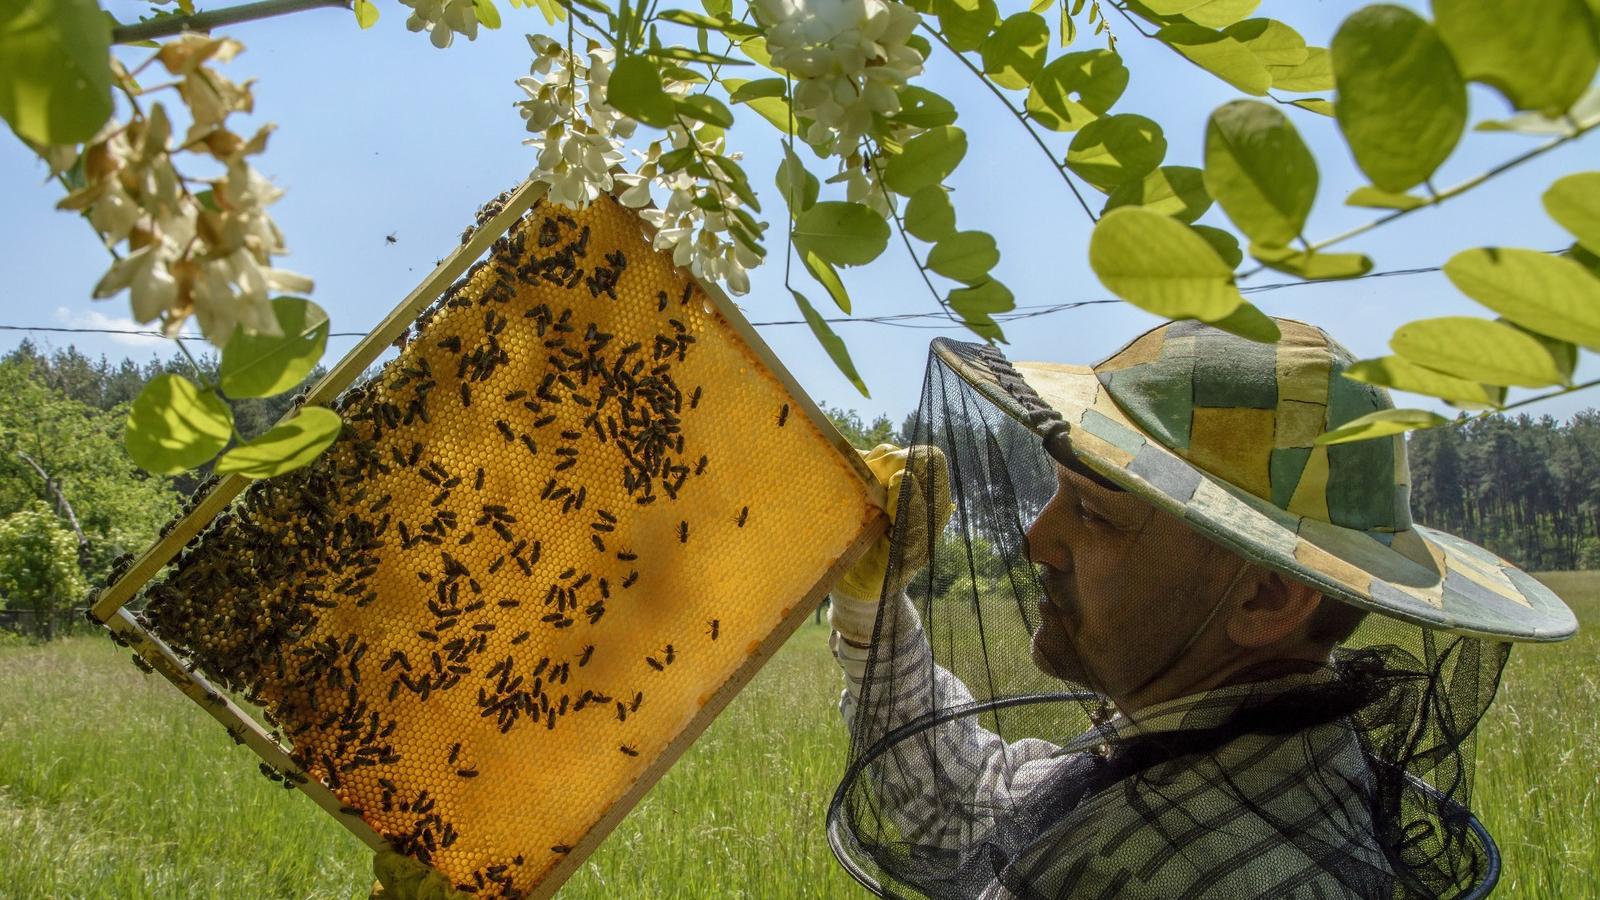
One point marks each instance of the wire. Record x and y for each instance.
(899, 320)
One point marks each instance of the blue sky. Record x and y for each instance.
(380, 133)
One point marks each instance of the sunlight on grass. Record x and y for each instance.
(114, 785)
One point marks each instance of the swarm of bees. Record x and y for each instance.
(440, 613)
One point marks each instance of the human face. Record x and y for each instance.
(1126, 586)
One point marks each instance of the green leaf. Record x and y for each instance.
(1401, 103)
(828, 277)
(1039, 6)
(1315, 74)
(797, 185)
(1584, 258)
(1259, 171)
(1271, 41)
(684, 54)
(705, 108)
(713, 23)
(1478, 350)
(922, 108)
(1014, 55)
(366, 13)
(1158, 264)
(1574, 202)
(1541, 56)
(55, 69)
(1075, 89)
(1372, 198)
(1226, 245)
(635, 90)
(1249, 323)
(755, 90)
(978, 303)
(845, 234)
(966, 23)
(929, 214)
(1116, 150)
(488, 15)
(1210, 13)
(1548, 294)
(1314, 104)
(964, 256)
(174, 425)
(1218, 54)
(1382, 423)
(284, 447)
(258, 365)
(1565, 353)
(1313, 266)
(1177, 191)
(831, 343)
(1403, 375)
(925, 160)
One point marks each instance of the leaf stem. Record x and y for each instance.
(1446, 194)
(1028, 126)
(1571, 389)
(167, 26)
(899, 226)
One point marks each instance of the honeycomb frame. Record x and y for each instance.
(707, 313)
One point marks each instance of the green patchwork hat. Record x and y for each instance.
(1220, 431)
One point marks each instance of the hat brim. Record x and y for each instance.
(1420, 575)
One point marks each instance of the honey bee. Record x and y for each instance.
(783, 415)
(628, 751)
(714, 628)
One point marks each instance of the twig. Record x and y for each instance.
(167, 26)
(1441, 196)
(1027, 126)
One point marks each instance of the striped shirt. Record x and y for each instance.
(1179, 829)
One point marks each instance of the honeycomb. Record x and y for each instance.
(549, 532)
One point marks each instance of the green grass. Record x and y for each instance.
(113, 785)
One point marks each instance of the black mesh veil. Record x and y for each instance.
(994, 756)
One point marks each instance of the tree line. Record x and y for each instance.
(71, 500)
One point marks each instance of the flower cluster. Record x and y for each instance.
(206, 253)
(443, 19)
(580, 138)
(849, 59)
(699, 223)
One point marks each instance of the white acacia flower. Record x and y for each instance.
(849, 58)
(145, 274)
(442, 19)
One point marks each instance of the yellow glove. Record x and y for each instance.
(930, 484)
(403, 878)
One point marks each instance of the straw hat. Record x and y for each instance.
(1220, 431)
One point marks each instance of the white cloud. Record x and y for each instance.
(95, 319)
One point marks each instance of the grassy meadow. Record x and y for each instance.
(114, 785)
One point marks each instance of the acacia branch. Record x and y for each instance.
(1027, 126)
(167, 26)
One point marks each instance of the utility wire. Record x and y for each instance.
(899, 320)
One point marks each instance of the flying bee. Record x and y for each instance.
(392, 238)
(714, 629)
(628, 751)
(783, 415)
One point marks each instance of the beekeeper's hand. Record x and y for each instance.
(403, 878)
(917, 481)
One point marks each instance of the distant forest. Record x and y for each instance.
(1527, 488)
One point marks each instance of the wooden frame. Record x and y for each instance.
(109, 607)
